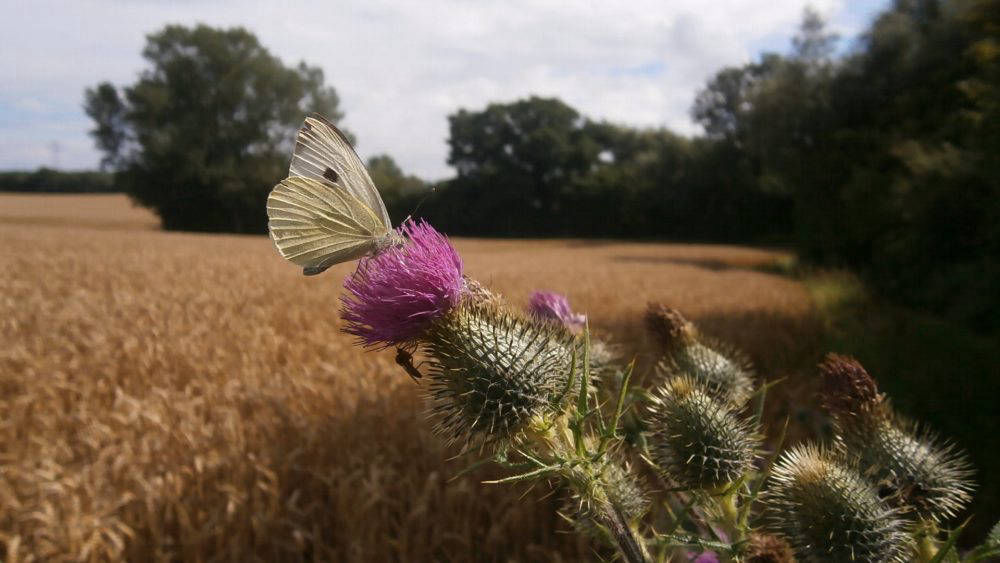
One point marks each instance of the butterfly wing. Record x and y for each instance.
(317, 224)
(323, 153)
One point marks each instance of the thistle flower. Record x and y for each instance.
(492, 371)
(723, 371)
(555, 306)
(552, 307)
(916, 470)
(394, 296)
(696, 440)
(828, 512)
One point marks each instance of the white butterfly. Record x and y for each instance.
(327, 210)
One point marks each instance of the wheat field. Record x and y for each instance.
(168, 396)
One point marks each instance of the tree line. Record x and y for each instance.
(882, 159)
(51, 180)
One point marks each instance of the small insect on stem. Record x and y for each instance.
(405, 360)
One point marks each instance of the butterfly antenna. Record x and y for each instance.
(422, 200)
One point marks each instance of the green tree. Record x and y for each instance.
(205, 132)
(517, 158)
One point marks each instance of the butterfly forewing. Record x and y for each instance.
(327, 211)
(316, 224)
(323, 153)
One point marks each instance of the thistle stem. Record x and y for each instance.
(631, 548)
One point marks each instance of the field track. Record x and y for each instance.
(189, 396)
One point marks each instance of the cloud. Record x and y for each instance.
(402, 67)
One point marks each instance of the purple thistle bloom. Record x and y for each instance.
(704, 557)
(394, 295)
(555, 306)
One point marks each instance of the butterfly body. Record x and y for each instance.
(327, 210)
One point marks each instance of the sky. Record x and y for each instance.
(401, 68)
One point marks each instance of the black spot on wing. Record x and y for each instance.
(331, 174)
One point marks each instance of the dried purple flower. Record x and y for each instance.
(394, 296)
(669, 327)
(555, 306)
(848, 390)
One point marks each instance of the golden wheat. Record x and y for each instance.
(173, 396)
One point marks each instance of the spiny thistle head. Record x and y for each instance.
(555, 307)
(725, 374)
(696, 440)
(492, 371)
(915, 469)
(394, 296)
(765, 548)
(723, 371)
(828, 512)
(848, 390)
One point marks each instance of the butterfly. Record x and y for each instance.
(327, 210)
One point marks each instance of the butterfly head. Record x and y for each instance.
(392, 239)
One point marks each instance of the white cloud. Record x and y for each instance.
(401, 67)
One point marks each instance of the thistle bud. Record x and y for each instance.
(914, 468)
(722, 371)
(697, 440)
(492, 371)
(828, 512)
